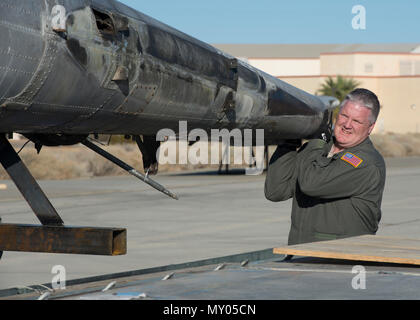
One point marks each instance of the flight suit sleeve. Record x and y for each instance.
(281, 180)
(320, 177)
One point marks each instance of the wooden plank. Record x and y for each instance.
(363, 248)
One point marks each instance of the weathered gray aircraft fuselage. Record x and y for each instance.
(114, 70)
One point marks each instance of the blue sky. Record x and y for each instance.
(292, 21)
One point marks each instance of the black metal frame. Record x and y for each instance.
(27, 185)
(52, 236)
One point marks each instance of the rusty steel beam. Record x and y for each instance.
(69, 240)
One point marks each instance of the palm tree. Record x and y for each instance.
(339, 88)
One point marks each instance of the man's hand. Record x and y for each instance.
(326, 131)
(326, 134)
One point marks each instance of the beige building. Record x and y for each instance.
(392, 71)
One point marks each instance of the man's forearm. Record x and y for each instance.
(280, 180)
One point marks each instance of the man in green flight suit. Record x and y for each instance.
(336, 187)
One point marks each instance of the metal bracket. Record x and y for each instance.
(148, 147)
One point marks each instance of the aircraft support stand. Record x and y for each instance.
(27, 185)
(52, 236)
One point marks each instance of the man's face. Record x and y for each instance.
(352, 126)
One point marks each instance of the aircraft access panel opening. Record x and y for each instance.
(104, 22)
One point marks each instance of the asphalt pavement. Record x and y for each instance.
(217, 215)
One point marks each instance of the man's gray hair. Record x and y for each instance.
(366, 99)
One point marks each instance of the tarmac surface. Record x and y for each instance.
(217, 215)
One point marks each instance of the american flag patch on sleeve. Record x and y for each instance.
(354, 160)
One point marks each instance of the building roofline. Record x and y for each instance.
(312, 51)
(370, 52)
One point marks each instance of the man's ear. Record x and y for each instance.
(372, 126)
